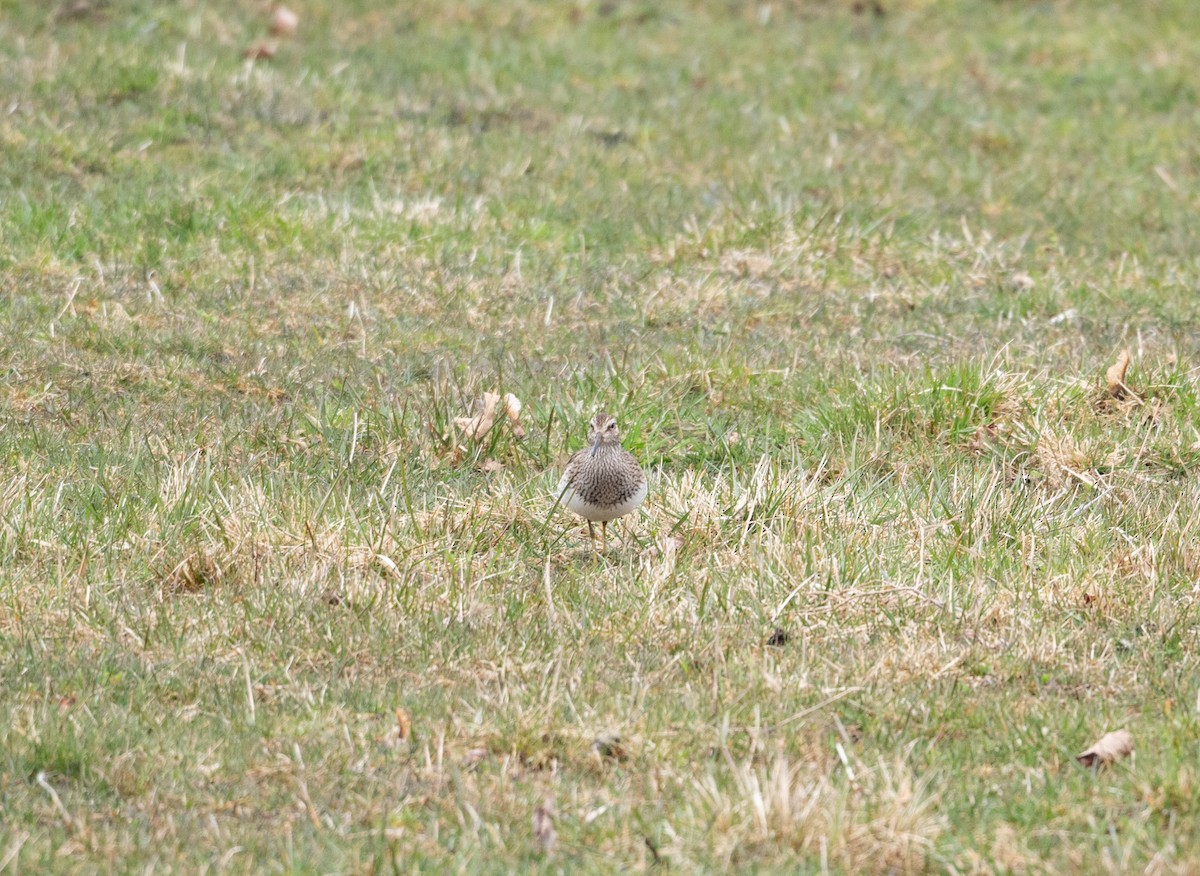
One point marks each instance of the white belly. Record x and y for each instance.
(600, 513)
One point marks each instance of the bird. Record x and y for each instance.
(603, 481)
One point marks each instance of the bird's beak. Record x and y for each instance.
(596, 443)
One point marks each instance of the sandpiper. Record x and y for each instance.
(603, 481)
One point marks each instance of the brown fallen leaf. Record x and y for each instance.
(283, 21)
(79, 10)
(263, 50)
(1115, 375)
(479, 425)
(399, 737)
(779, 637)
(1108, 748)
(608, 745)
(1020, 282)
(875, 7)
(665, 546)
(981, 436)
(491, 409)
(512, 406)
(543, 827)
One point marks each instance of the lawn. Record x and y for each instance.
(850, 277)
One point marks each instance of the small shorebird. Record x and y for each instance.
(603, 481)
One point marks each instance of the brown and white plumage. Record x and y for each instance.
(603, 481)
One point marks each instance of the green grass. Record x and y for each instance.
(850, 283)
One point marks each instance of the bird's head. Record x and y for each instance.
(604, 432)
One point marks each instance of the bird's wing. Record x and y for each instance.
(564, 483)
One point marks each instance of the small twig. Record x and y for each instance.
(70, 298)
(302, 787)
(828, 701)
(653, 850)
(549, 593)
(14, 850)
(249, 687)
(54, 798)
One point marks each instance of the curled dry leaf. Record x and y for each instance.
(403, 724)
(400, 736)
(1116, 376)
(1108, 748)
(283, 21)
(479, 425)
(512, 405)
(543, 826)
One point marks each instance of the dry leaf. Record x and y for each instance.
(981, 436)
(1110, 747)
(400, 736)
(283, 21)
(479, 425)
(473, 757)
(263, 50)
(609, 745)
(543, 826)
(79, 10)
(1168, 180)
(491, 465)
(1020, 282)
(512, 405)
(665, 546)
(1116, 376)
(779, 637)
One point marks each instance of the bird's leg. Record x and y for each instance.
(592, 534)
(604, 535)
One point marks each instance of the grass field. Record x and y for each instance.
(850, 281)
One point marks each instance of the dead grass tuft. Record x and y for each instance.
(198, 572)
(861, 819)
